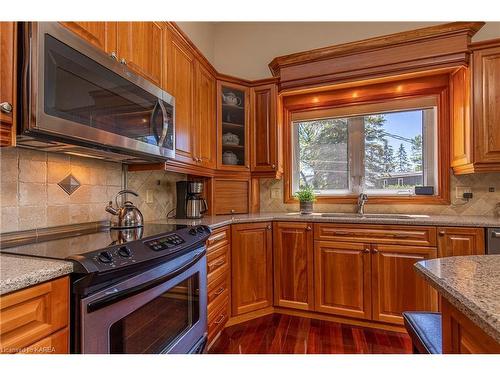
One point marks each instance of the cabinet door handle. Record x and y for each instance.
(232, 211)
(6, 107)
(273, 166)
(374, 251)
(367, 250)
(113, 55)
(442, 233)
(308, 229)
(269, 227)
(123, 61)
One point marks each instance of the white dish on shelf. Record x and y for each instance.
(230, 139)
(229, 158)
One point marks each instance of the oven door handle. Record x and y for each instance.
(127, 293)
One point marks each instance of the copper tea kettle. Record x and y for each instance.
(129, 215)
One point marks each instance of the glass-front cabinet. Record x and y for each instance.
(233, 126)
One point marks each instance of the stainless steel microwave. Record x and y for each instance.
(78, 100)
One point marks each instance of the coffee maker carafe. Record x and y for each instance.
(190, 204)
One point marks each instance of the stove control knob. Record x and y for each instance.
(105, 257)
(124, 252)
(193, 232)
(200, 229)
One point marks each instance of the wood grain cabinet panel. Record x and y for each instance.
(462, 336)
(396, 287)
(32, 314)
(180, 78)
(57, 343)
(204, 123)
(264, 130)
(455, 241)
(8, 40)
(342, 279)
(252, 268)
(100, 34)
(139, 46)
(293, 265)
(231, 196)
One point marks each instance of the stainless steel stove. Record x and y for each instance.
(140, 290)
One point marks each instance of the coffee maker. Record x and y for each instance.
(190, 204)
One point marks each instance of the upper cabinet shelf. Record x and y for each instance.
(233, 102)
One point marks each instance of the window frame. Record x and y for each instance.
(375, 93)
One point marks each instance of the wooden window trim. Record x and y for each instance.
(366, 94)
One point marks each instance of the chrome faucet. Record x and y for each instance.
(362, 199)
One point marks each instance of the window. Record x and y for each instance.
(380, 149)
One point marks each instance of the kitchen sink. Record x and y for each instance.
(374, 216)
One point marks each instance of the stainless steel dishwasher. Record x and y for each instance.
(493, 241)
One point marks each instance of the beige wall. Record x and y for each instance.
(202, 34)
(30, 197)
(244, 49)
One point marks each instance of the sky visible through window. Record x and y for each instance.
(406, 124)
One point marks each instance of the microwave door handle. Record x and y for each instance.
(165, 123)
(152, 122)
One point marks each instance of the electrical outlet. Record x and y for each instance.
(275, 193)
(149, 196)
(461, 190)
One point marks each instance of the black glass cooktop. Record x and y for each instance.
(65, 247)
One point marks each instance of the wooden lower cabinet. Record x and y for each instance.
(454, 241)
(293, 265)
(342, 278)
(36, 317)
(396, 287)
(218, 281)
(251, 267)
(462, 336)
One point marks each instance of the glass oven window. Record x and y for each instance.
(80, 90)
(155, 327)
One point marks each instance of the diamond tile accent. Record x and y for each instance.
(69, 184)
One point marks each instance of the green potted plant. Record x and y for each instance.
(306, 198)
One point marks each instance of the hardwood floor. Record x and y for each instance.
(283, 334)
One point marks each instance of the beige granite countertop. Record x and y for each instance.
(18, 272)
(471, 284)
(457, 221)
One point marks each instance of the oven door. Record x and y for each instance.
(163, 310)
(74, 91)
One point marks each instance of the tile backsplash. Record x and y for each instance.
(482, 203)
(30, 197)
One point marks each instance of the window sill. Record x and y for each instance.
(388, 199)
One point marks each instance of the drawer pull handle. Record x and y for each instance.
(218, 237)
(220, 319)
(341, 233)
(219, 291)
(217, 264)
(442, 233)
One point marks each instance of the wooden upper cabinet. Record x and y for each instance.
(454, 241)
(342, 279)
(251, 267)
(475, 112)
(293, 265)
(100, 34)
(265, 135)
(180, 78)
(205, 134)
(486, 96)
(396, 287)
(8, 40)
(233, 127)
(139, 46)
